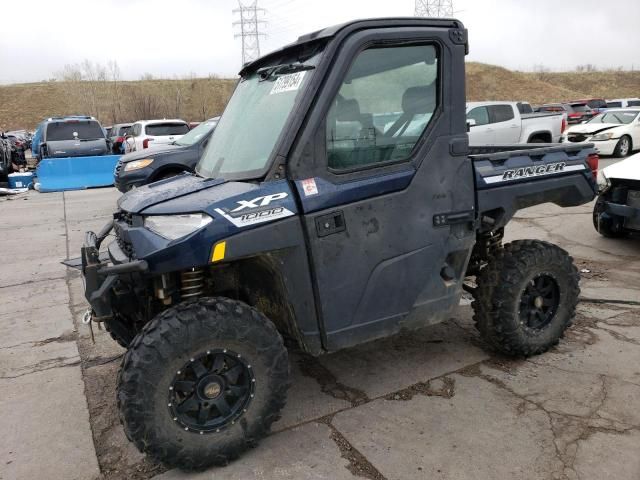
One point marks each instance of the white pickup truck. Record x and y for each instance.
(496, 123)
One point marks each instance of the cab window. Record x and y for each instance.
(500, 113)
(385, 103)
(479, 114)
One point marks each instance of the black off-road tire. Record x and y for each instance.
(502, 285)
(167, 343)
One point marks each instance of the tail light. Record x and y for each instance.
(592, 161)
(563, 125)
(145, 142)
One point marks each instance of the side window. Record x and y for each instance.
(500, 113)
(479, 114)
(383, 106)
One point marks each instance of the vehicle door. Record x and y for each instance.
(385, 186)
(635, 132)
(506, 126)
(481, 131)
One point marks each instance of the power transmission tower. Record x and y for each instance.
(250, 23)
(434, 8)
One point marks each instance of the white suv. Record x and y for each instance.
(154, 133)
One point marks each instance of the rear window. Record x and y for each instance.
(83, 130)
(597, 103)
(122, 131)
(162, 129)
(525, 108)
(580, 107)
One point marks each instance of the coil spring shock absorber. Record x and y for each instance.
(192, 283)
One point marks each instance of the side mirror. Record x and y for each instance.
(470, 123)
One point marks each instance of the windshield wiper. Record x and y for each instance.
(283, 69)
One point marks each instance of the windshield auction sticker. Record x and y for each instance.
(288, 83)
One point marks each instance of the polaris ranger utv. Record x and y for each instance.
(338, 201)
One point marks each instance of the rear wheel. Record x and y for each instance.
(526, 297)
(623, 147)
(203, 382)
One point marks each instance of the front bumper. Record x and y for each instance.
(625, 216)
(605, 147)
(125, 181)
(100, 274)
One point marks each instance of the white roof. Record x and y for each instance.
(162, 120)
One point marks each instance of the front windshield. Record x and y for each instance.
(197, 133)
(622, 117)
(242, 143)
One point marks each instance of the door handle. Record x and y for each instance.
(330, 223)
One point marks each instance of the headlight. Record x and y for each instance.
(602, 136)
(176, 226)
(603, 182)
(137, 164)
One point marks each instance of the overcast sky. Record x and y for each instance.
(170, 38)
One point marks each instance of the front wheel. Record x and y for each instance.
(623, 147)
(203, 382)
(526, 297)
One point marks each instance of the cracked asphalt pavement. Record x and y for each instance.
(431, 404)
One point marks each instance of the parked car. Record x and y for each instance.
(595, 104)
(623, 102)
(575, 113)
(24, 137)
(154, 133)
(72, 137)
(614, 132)
(37, 138)
(617, 210)
(118, 134)
(494, 123)
(146, 166)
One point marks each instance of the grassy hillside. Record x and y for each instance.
(24, 105)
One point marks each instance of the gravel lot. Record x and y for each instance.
(432, 404)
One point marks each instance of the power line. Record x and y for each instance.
(250, 34)
(434, 8)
